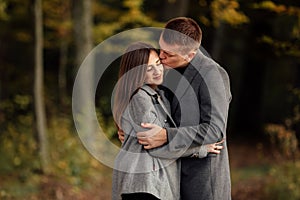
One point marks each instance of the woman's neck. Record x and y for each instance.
(154, 87)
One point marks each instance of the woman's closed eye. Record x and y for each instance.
(151, 67)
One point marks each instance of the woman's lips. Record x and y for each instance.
(157, 77)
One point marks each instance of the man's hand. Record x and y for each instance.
(121, 135)
(154, 137)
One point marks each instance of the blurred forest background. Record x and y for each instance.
(43, 43)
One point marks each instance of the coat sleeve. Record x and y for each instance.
(214, 94)
(167, 152)
(143, 110)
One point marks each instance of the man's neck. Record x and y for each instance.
(181, 70)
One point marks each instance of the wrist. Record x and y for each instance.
(165, 135)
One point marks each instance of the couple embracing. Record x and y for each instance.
(171, 108)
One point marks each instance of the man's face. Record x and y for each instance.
(170, 56)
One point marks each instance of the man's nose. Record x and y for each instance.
(162, 55)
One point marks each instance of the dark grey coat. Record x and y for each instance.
(200, 110)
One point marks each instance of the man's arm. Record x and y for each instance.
(207, 132)
(197, 152)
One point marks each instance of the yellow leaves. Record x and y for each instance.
(17, 161)
(278, 8)
(62, 164)
(227, 11)
(57, 20)
(267, 39)
(204, 20)
(22, 100)
(133, 4)
(131, 18)
(23, 36)
(281, 47)
(3, 14)
(270, 5)
(282, 139)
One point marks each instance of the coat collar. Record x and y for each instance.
(149, 90)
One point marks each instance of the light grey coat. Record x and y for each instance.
(135, 169)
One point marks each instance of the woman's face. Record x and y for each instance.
(155, 70)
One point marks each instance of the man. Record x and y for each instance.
(200, 110)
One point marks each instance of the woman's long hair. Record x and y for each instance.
(132, 74)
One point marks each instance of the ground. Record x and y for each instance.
(249, 167)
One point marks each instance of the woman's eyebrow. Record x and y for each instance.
(157, 61)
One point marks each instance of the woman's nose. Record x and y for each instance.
(157, 70)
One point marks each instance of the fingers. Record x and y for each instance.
(147, 147)
(214, 148)
(143, 142)
(218, 147)
(144, 134)
(121, 138)
(216, 151)
(147, 125)
(222, 141)
(121, 135)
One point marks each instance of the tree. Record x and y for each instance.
(57, 21)
(82, 24)
(82, 18)
(39, 86)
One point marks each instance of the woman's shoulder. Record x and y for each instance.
(141, 98)
(145, 92)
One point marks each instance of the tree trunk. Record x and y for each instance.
(82, 16)
(38, 87)
(62, 82)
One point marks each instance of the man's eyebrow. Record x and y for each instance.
(168, 52)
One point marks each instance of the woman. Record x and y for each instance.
(137, 174)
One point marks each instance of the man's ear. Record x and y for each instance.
(190, 56)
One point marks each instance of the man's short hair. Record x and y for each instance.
(183, 31)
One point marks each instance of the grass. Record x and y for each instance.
(249, 172)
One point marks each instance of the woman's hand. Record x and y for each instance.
(121, 135)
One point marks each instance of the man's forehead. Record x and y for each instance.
(169, 48)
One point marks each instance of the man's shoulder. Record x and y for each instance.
(205, 64)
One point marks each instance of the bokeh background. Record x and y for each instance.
(43, 43)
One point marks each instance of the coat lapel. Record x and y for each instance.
(186, 80)
(159, 97)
